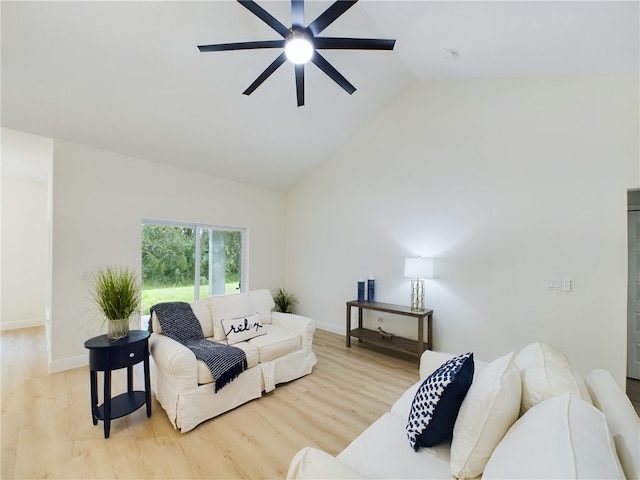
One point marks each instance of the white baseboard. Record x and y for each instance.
(331, 327)
(29, 322)
(68, 363)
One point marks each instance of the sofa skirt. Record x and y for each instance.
(187, 409)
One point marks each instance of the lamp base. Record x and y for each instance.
(417, 295)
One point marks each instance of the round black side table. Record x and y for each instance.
(106, 355)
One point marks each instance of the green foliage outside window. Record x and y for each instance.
(169, 259)
(168, 255)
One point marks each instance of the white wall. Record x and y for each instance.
(506, 183)
(24, 253)
(99, 201)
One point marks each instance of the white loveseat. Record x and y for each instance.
(184, 386)
(526, 415)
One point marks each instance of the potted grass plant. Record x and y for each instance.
(116, 293)
(285, 301)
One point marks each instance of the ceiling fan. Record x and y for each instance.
(301, 44)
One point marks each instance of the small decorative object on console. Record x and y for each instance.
(361, 289)
(384, 334)
(371, 289)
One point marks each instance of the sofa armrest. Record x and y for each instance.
(174, 359)
(622, 420)
(311, 463)
(296, 323)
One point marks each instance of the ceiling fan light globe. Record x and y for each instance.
(298, 49)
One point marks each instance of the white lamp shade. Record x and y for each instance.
(418, 267)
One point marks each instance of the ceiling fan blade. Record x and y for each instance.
(335, 75)
(297, 14)
(241, 46)
(327, 17)
(265, 16)
(354, 43)
(264, 75)
(300, 84)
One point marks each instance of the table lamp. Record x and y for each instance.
(417, 269)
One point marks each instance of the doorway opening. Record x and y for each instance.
(633, 282)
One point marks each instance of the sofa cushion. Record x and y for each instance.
(437, 401)
(561, 437)
(277, 342)
(263, 303)
(311, 464)
(491, 406)
(243, 328)
(204, 374)
(546, 372)
(381, 452)
(227, 307)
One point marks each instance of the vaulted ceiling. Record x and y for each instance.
(127, 76)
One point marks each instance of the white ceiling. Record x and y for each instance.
(127, 76)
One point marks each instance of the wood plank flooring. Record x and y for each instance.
(46, 428)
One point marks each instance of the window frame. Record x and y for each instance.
(198, 227)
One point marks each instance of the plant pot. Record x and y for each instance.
(118, 328)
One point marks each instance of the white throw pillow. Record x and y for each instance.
(545, 372)
(263, 303)
(243, 328)
(562, 437)
(489, 409)
(226, 307)
(203, 314)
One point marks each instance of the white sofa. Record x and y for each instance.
(526, 415)
(184, 386)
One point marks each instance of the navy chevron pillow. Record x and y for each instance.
(436, 404)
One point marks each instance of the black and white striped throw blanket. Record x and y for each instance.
(178, 322)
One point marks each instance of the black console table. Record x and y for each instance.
(399, 344)
(106, 355)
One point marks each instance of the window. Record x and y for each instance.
(186, 262)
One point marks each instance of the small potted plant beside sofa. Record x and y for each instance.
(116, 293)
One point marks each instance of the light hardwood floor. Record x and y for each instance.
(47, 430)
